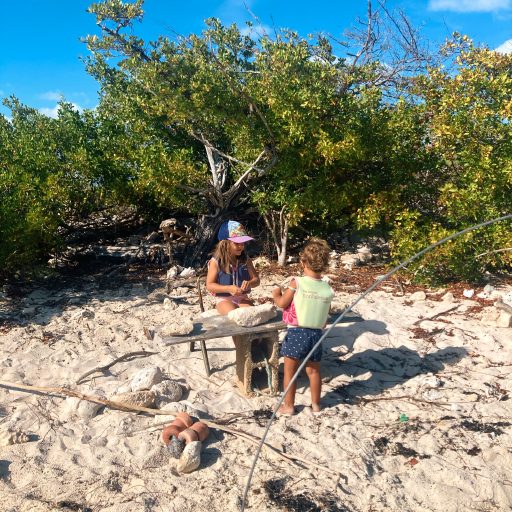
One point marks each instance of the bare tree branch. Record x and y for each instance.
(132, 48)
(506, 249)
(206, 143)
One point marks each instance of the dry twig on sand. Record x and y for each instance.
(125, 357)
(122, 406)
(437, 315)
(135, 408)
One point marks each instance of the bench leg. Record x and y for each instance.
(204, 354)
(245, 365)
(205, 358)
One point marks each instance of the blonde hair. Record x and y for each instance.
(316, 255)
(223, 255)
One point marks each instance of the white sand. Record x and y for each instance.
(448, 377)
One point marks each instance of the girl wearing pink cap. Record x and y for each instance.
(231, 274)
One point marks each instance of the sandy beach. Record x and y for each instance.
(416, 404)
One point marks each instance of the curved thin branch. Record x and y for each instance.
(125, 357)
(251, 167)
(506, 249)
(207, 143)
(122, 406)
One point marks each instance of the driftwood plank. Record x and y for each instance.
(221, 327)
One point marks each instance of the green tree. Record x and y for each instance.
(278, 121)
(458, 168)
(51, 173)
(211, 139)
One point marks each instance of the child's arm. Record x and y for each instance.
(254, 280)
(211, 281)
(284, 299)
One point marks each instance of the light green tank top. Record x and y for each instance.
(312, 301)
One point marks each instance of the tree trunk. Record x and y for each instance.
(205, 237)
(282, 251)
(281, 255)
(277, 223)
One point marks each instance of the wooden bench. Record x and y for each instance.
(256, 347)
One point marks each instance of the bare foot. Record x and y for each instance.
(286, 410)
(316, 407)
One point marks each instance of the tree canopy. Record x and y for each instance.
(296, 129)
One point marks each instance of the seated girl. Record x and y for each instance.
(231, 274)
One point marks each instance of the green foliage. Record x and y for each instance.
(218, 121)
(328, 135)
(172, 102)
(458, 169)
(52, 171)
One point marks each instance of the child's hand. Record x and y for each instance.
(235, 290)
(276, 292)
(245, 286)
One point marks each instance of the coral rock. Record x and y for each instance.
(190, 458)
(504, 320)
(8, 437)
(418, 296)
(255, 315)
(177, 328)
(167, 391)
(146, 378)
(139, 398)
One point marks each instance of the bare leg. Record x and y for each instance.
(225, 306)
(315, 384)
(290, 367)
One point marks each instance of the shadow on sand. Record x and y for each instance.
(387, 367)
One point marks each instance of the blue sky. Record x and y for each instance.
(41, 49)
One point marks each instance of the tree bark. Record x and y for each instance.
(206, 238)
(277, 223)
(221, 203)
(281, 260)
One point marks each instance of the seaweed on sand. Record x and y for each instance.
(291, 502)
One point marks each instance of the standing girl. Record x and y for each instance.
(305, 303)
(231, 274)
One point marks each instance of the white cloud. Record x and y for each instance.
(54, 111)
(82, 95)
(469, 5)
(239, 12)
(257, 30)
(505, 47)
(51, 96)
(50, 112)
(228, 6)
